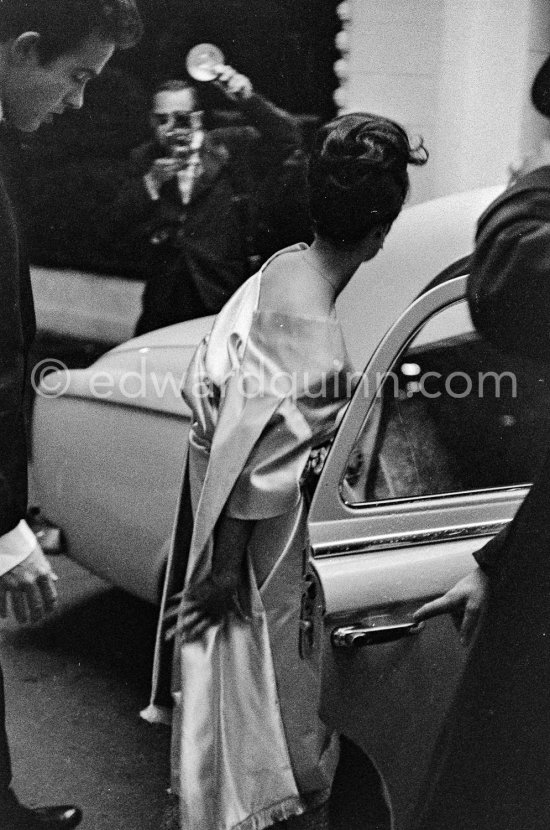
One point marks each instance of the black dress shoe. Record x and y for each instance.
(63, 817)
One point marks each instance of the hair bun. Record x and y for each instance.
(358, 175)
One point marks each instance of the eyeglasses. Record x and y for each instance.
(179, 119)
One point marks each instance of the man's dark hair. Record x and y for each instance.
(64, 24)
(174, 85)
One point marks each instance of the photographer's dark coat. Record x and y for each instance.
(196, 256)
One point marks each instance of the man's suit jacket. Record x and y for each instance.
(491, 766)
(509, 285)
(204, 243)
(17, 330)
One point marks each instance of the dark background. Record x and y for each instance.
(76, 165)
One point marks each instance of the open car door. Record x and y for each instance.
(426, 467)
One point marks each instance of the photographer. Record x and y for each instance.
(189, 206)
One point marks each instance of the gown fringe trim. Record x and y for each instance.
(156, 714)
(280, 811)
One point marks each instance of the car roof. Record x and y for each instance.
(424, 246)
(429, 244)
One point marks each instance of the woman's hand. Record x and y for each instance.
(223, 592)
(192, 611)
(465, 602)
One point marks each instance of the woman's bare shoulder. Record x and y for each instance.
(289, 287)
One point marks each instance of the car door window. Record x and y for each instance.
(452, 415)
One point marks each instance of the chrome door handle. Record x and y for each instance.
(355, 636)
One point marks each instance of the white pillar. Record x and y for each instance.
(394, 68)
(483, 82)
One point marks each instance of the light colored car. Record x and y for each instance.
(431, 459)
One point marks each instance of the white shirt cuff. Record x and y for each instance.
(15, 546)
(151, 187)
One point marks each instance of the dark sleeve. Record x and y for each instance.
(279, 129)
(509, 288)
(509, 283)
(273, 134)
(13, 447)
(133, 202)
(488, 557)
(13, 469)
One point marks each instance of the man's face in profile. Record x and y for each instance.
(175, 118)
(34, 92)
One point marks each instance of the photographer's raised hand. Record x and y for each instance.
(237, 87)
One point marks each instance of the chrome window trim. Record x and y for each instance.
(430, 497)
(331, 516)
(462, 271)
(413, 539)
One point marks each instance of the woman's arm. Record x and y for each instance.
(210, 601)
(231, 539)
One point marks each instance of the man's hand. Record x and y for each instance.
(465, 602)
(31, 586)
(237, 87)
(164, 169)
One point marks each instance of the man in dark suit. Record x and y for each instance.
(491, 765)
(190, 203)
(510, 306)
(49, 50)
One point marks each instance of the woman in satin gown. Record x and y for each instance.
(266, 389)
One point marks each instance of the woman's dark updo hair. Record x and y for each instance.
(357, 175)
